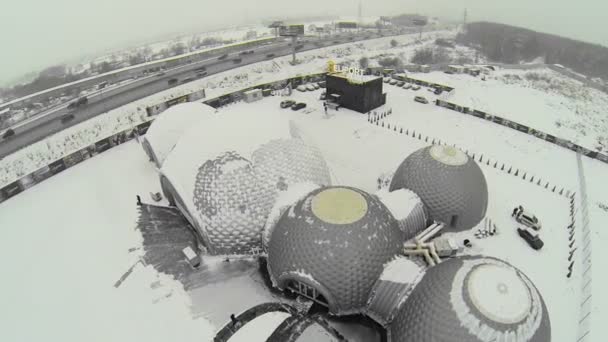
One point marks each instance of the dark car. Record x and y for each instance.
(67, 118)
(531, 238)
(83, 101)
(224, 56)
(172, 81)
(237, 60)
(298, 106)
(438, 91)
(287, 103)
(8, 133)
(421, 99)
(270, 55)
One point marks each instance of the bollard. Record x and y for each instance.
(517, 172)
(495, 163)
(554, 188)
(401, 130)
(426, 139)
(538, 183)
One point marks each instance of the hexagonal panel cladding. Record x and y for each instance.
(477, 299)
(226, 185)
(450, 184)
(336, 240)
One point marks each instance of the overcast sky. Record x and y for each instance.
(38, 33)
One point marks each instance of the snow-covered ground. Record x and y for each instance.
(66, 244)
(97, 229)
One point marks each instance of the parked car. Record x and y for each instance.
(407, 86)
(527, 219)
(531, 238)
(400, 84)
(387, 79)
(392, 82)
(298, 106)
(323, 96)
(438, 91)
(310, 87)
(301, 88)
(415, 87)
(316, 85)
(287, 103)
(421, 99)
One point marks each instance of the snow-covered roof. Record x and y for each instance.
(400, 202)
(401, 270)
(242, 133)
(284, 200)
(171, 124)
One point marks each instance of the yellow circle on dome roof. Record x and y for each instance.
(339, 206)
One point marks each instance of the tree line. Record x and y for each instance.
(510, 44)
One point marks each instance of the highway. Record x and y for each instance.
(50, 123)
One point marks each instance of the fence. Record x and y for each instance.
(74, 158)
(585, 265)
(524, 129)
(582, 235)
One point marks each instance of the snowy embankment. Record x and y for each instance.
(42, 153)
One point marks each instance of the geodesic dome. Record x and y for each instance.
(225, 174)
(335, 240)
(169, 126)
(474, 299)
(450, 184)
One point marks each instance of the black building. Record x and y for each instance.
(359, 93)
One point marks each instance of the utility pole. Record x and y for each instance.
(360, 15)
(464, 21)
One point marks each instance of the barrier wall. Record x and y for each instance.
(525, 129)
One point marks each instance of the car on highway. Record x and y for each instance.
(298, 106)
(67, 118)
(287, 103)
(222, 57)
(8, 133)
(421, 99)
(270, 55)
(172, 81)
(201, 73)
(531, 237)
(246, 52)
(186, 80)
(82, 101)
(237, 60)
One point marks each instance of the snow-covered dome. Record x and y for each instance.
(473, 299)
(335, 240)
(170, 125)
(407, 208)
(450, 184)
(225, 174)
